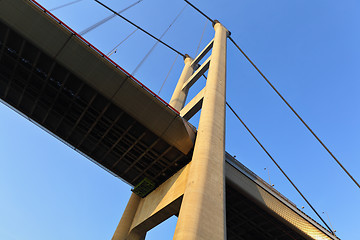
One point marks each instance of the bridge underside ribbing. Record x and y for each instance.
(245, 220)
(43, 90)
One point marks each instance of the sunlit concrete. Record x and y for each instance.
(204, 194)
(178, 98)
(141, 215)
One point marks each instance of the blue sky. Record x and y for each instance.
(308, 49)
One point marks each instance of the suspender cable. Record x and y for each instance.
(212, 21)
(202, 35)
(282, 98)
(64, 5)
(296, 114)
(277, 165)
(177, 55)
(114, 49)
(154, 46)
(143, 30)
(85, 31)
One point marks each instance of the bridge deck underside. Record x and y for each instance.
(246, 220)
(41, 89)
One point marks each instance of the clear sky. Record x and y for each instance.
(308, 49)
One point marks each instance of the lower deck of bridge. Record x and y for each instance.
(246, 220)
(56, 99)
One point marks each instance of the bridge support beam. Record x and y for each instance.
(202, 213)
(142, 214)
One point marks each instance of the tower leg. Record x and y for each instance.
(202, 212)
(123, 228)
(143, 214)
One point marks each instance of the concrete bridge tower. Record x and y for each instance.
(196, 194)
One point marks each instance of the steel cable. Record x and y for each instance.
(140, 28)
(202, 35)
(64, 5)
(258, 140)
(92, 27)
(114, 49)
(177, 55)
(278, 93)
(156, 43)
(278, 166)
(296, 114)
(200, 11)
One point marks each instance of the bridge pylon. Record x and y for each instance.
(196, 194)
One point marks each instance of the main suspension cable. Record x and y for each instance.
(278, 93)
(127, 20)
(278, 166)
(92, 27)
(213, 22)
(296, 114)
(65, 5)
(156, 43)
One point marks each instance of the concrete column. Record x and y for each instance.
(123, 229)
(202, 213)
(134, 235)
(179, 96)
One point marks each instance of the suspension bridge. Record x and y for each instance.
(53, 76)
